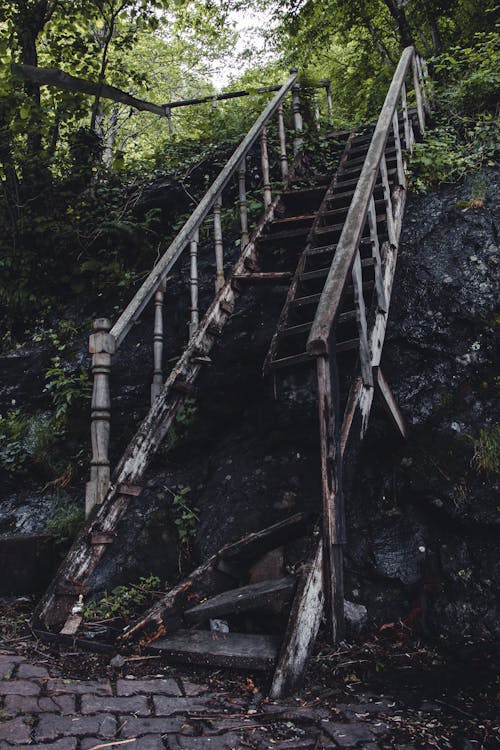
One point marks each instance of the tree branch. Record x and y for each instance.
(61, 80)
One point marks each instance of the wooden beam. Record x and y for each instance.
(302, 629)
(390, 404)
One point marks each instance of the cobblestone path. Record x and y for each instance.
(41, 711)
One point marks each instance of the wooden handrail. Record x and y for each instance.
(328, 307)
(160, 271)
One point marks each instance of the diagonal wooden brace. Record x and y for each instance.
(389, 403)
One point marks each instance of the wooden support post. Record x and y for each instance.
(193, 283)
(379, 282)
(399, 150)
(219, 252)
(101, 345)
(418, 97)
(404, 106)
(282, 137)
(333, 526)
(297, 117)
(265, 169)
(388, 201)
(359, 304)
(317, 113)
(243, 204)
(390, 404)
(329, 103)
(157, 383)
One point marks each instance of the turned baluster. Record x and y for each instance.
(265, 168)
(101, 345)
(243, 204)
(219, 252)
(297, 117)
(282, 137)
(418, 97)
(157, 383)
(193, 283)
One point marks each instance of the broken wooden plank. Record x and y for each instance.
(254, 545)
(302, 628)
(243, 599)
(390, 404)
(277, 276)
(231, 650)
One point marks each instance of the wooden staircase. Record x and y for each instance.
(334, 239)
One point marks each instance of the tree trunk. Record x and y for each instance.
(398, 13)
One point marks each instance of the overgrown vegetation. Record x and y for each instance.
(124, 601)
(486, 456)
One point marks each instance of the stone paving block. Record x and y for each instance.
(165, 706)
(16, 731)
(154, 686)
(134, 704)
(348, 735)
(132, 727)
(19, 687)
(191, 688)
(79, 687)
(52, 726)
(32, 671)
(66, 743)
(28, 704)
(228, 741)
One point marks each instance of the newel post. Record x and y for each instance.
(102, 346)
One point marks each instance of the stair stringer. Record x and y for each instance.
(99, 531)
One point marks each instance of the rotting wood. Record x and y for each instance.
(230, 650)
(390, 404)
(243, 599)
(83, 557)
(254, 545)
(302, 628)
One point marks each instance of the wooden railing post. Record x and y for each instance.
(379, 282)
(388, 201)
(265, 169)
(297, 117)
(219, 252)
(102, 346)
(406, 122)
(157, 383)
(329, 102)
(193, 283)
(399, 150)
(360, 307)
(282, 137)
(333, 503)
(245, 237)
(418, 96)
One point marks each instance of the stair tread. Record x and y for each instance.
(305, 327)
(321, 272)
(290, 234)
(291, 219)
(258, 542)
(246, 650)
(304, 190)
(301, 357)
(244, 598)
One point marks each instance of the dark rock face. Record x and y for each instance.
(422, 517)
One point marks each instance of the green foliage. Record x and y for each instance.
(123, 601)
(186, 415)
(186, 518)
(13, 430)
(465, 137)
(486, 456)
(66, 522)
(68, 389)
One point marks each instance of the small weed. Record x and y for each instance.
(486, 456)
(66, 522)
(186, 518)
(185, 417)
(123, 601)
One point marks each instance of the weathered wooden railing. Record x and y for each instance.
(346, 269)
(106, 338)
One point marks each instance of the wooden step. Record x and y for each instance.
(354, 181)
(232, 650)
(291, 219)
(306, 327)
(323, 272)
(324, 249)
(302, 357)
(360, 159)
(257, 543)
(344, 209)
(329, 228)
(243, 599)
(274, 277)
(290, 235)
(304, 191)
